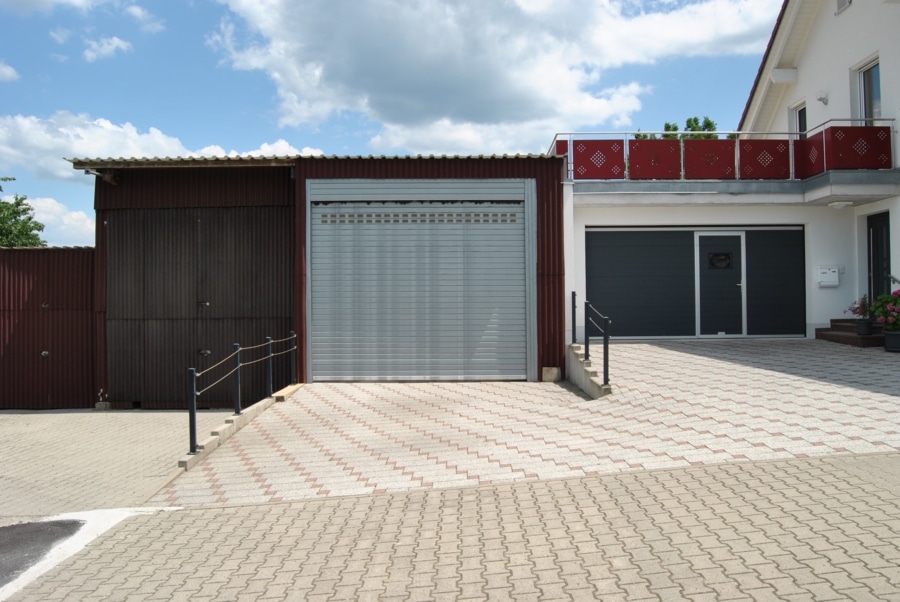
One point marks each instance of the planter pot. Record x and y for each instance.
(892, 340)
(863, 327)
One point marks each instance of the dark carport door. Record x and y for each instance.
(720, 266)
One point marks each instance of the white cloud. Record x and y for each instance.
(145, 18)
(104, 48)
(37, 147)
(455, 74)
(41, 146)
(60, 35)
(63, 226)
(27, 6)
(7, 73)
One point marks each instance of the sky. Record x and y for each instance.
(122, 78)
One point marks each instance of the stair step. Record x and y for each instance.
(850, 338)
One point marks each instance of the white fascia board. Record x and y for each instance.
(783, 76)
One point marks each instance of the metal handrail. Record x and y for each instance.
(718, 133)
(589, 312)
(193, 375)
(790, 137)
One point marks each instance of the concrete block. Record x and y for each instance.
(209, 444)
(550, 375)
(102, 406)
(223, 432)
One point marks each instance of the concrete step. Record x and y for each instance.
(849, 325)
(850, 338)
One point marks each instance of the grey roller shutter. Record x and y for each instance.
(418, 291)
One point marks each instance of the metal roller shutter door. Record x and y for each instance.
(418, 291)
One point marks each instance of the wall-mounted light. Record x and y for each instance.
(840, 204)
(822, 96)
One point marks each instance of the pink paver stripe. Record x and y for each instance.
(676, 404)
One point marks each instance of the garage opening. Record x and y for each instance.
(419, 289)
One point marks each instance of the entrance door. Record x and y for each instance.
(879, 228)
(721, 302)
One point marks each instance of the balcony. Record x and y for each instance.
(728, 156)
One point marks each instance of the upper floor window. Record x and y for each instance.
(798, 121)
(870, 92)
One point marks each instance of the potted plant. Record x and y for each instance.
(886, 309)
(862, 309)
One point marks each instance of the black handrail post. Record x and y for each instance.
(587, 331)
(293, 357)
(606, 322)
(269, 367)
(237, 379)
(192, 408)
(574, 312)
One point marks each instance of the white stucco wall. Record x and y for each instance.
(837, 46)
(832, 239)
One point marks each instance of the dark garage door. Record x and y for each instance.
(645, 281)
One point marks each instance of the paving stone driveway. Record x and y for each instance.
(816, 518)
(676, 404)
(53, 462)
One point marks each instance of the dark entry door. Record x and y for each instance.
(721, 283)
(879, 228)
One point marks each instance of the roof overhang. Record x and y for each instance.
(778, 68)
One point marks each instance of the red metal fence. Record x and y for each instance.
(835, 147)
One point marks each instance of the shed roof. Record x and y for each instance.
(272, 161)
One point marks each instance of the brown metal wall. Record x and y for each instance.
(182, 187)
(547, 171)
(191, 279)
(47, 329)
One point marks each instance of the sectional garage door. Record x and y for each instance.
(685, 282)
(418, 290)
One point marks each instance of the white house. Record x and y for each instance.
(771, 231)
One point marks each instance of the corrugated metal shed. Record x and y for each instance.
(546, 171)
(216, 184)
(195, 258)
(47, 326)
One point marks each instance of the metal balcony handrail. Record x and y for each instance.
(682, 137)
(720, 134)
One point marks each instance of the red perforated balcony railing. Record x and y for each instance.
(729, 156)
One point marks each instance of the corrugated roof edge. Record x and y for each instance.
(47, 248)
(147, 162)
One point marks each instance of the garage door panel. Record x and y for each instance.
(643, 280)
(439, 296)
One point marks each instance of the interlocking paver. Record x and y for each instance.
(556, 502)
(68, 461)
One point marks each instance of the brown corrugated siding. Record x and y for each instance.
(195, 187)
(186, 279)
(547, 171)
(47, 326)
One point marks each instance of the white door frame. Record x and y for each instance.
(743, 284)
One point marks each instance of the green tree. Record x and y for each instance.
(705, 129)
(18, 228)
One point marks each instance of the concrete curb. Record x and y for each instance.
(220, 434)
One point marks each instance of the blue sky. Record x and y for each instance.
(122, 78)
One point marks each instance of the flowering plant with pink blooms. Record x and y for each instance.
(886, 309)
(861, 308)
